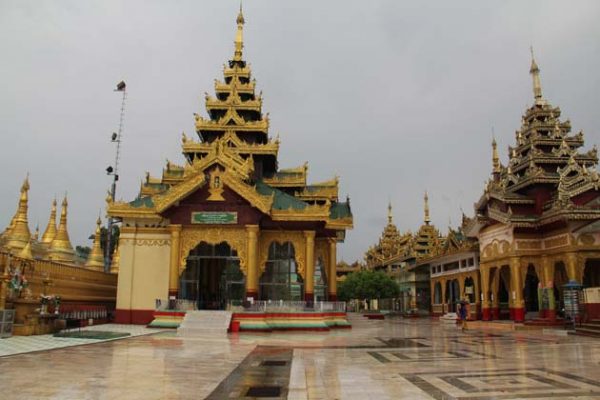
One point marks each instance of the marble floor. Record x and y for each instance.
(391, 359)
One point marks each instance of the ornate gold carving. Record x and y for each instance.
(216, 186)
(234, 237)
(529, 244)
(559, 241)
(586, 239)
(178, 192)
(146, 242)
(294, 237)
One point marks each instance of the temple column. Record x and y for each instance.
(574, 270)
(476, 294)
(484, 272)
(252, 262)
(309, 270)
(174, 261)
(516, 288)
(443, 299)
(332, 270)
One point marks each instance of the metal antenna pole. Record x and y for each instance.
(115, 174)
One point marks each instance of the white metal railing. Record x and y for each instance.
(175, 305)
(287, 306)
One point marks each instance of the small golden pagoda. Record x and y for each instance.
(17, 235)
(95, 259)
(228, 213)
(61, 249)
(428, 240)
(50, 232)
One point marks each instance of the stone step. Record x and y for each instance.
(591, 326)
(205, 323)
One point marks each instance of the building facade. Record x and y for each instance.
(229, 225)
(537, 222)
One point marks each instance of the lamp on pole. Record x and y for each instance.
(114, 171)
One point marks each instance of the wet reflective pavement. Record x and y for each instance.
(391, 359)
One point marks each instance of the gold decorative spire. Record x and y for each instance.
(96, 259)
(390, 217)
(61, 249)
(50, 231)
(495, 157)
(19, 235)
(239, 36)
(116, 258)
(537, 84)
(426, 199)
(26, 252)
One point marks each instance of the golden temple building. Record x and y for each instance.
(399, 255)
(228, 225)
(537, 221)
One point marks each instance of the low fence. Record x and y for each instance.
(256, 306)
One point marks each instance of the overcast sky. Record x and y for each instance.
(397, 97)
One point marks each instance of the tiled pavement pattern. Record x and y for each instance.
(26, 344)
(391, 359)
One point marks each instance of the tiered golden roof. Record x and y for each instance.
(61, 249)
(391, 245)
(545, 160)
(235, 150)
(95, 259)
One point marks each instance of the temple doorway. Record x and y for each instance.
(212, 277)
(531, 290)
(560, 278)
(452, 295)
(503, 292)
(320, 280)
(591, 273)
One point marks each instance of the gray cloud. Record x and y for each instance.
(396, 97)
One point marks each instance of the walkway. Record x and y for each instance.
(391, 359)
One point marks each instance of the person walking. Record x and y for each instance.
(462, 312)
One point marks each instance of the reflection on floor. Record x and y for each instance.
(391, 359)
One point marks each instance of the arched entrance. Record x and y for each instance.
(452, 294)
(281, 280)
(560, 279)
(212, 276)
(437, 293)
(591, 273)
(531, 290)
(320, 281)
(503, 293)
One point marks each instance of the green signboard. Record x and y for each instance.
(214, 217)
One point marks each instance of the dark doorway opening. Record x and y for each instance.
(212, 277)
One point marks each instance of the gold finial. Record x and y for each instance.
(390, 216)
(535, 74)
(495, 157)
(96, 258)
(426, 199)
(19, 235)
(239, 36)
(50, 231)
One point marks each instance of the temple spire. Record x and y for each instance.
(390, 217)
(239, 36)
(495, 157)
(537, 84)
(19, 235)
(96, 259)
(427, 220)
(50, 231)
(61, 249)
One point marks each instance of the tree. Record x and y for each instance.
(82, 251)
(368, 285)
(113, 241)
